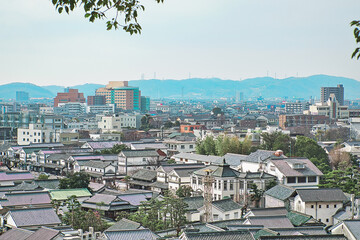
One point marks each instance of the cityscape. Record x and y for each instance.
(192, 120)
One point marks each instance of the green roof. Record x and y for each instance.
(226, 205)
(280, 192)
(264, 232)
(63, 194)
(298, 219)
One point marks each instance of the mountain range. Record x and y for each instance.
(200, 88)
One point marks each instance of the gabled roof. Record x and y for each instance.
(200, 158)
(98, 145)
(354, 227)
(280, 221)
(219, 235)
(145, 175)
(284, 166)
(124, 224)
(256, 175)
(280, 192)
(25, 198)
(15, 176)
(321, 195)
(234, 159)
(269, 211)
(169, 167)
(63, 194)
(34, 217)
(260, 156)
(194, 203)
(225, 205)
(139, 153)
(143, 234)
(94, 164)
(16, 233)
(44, 233)
(297, 218)
(305, 237)
(183, 172)
(48, 183)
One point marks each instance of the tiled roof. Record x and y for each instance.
(144, 174)
(305, 237)
(270, 221)
(269, 211)
(321, 195)
(298, 219)
(25, 198)
(48, 184)
(256, 175)
(124, 224)
(260, 155)
(24, 186)
(194, 203)
(94, 164)
(63, 194)
(34, 217)
(234, 159)
(16, 234)
(140, 153)
(200, 158)
(15, 176)
(184, 172)
(280, 192)
(284, 166)
(226, 205)
(264, 232)
(221, 170)
(143, 234)
(227, 235)
(354, 227)
(103, 145)
(97, 198)
(169, 167)
(95, 187)
(44, 233)
(58, 156)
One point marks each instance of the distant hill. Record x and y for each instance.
(8, 91)
(266, 87)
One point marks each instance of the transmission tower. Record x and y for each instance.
(208, 195)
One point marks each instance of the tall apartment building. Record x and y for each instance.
(301, 120)
(122, 95)
(22, 96)
(70, 95)
(338, 91)
(145, 104)
(96, 100)
(332, 108)
(296, 107)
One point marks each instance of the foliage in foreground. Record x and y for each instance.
(75, 180)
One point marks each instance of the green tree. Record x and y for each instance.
(146, 122)
(168, 124)
(216, 111)
(75, 180)
(43, 177)
(184, 191)
(356, 25)
(272, 183)
(98, 9)
(116, 149)
(171, 161)
(347, 180)
(256, 194)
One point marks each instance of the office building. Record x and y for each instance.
(123, 96)
(296, 107)
(96, 100)
(145, 104)
(337, 91)
(70, 95)
(22, 96)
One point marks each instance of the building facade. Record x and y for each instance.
(70, 95)
(338, 91)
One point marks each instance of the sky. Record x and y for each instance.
(230, 39)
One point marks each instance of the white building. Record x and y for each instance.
(331, 108)
(37, 133)
(131, 160)
(176, 146)
(117, 122)
(101, 109)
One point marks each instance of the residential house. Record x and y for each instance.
(28, 199)
(143, 179)
(350, 228)
(277, 221)
(100, 145)
(98, 171)
(224, 209)
(180, 177)
(186, 158)
(178, 146)
(278, 196)
(62, 195)
(31, 218)
(256, 161)
(193, 208)
(131, 160)
(144, 234)
(322, 203)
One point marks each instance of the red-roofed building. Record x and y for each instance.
(70, 95)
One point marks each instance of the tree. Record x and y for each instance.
(43, 177)
(256, 194)
(272, 183)
(184, 191)
(216, 111)
(277, 141)
(146, 122)
(356, 24)
(116, 149)
(168, 124)
(339, 159)
(76, 180)
(100, 9)
(347, 180)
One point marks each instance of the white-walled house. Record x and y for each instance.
(180, 177)
(278, 196)
(350, 228)
(131, 160)
(294, 172)
(321, 204)
(256, 161)
(186, 158)
(224, 209)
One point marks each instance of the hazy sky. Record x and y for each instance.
(230, 39)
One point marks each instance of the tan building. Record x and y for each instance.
(122, 95)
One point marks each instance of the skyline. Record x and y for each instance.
(247, 39)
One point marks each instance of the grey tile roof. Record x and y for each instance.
(143, 234)
(304, 237)
(194, 203)
(184, 172)
(284, 166)
(280, 192)
(354, 227)
(44, 233)
(124, 224)
(144, 174)
(140, 153)
(269, 211)
(321, 195)
(234, 159)
(260, 156)
(270, 221)
(58, 156)
(34, 217)
(306, 230)
(25, 198)
(222, 235)
(221, 170)
(48, 184)
(16, 233)
(169, 167)
(225, 205)
(94, 164)
(256, 175)
(200, 158)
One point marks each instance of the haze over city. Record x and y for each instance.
(180, 39)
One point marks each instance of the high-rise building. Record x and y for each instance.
(123, 96)
(338, 91)
(22, 96)
(70, 95)
(145, 104)
(96, 100)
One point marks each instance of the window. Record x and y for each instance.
(301, 179)
(191, 146)
(312, 206)
(241, 183)
(334, 205)
(319, 219)
(194, 180)
(327, 220)
(291, 180)
(200, 181)
(236, 215)
(319, 206)
(227, 216)
(218, 184)
(182, 146)
(231, 185)
(144, 159)
(327, 206)
(312, 179)
(225, 184)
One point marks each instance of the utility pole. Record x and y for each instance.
(208, 193)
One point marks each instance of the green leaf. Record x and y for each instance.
(60, 9)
